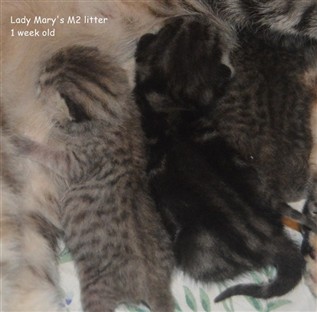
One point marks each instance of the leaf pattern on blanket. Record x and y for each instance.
(190, 296)
(190, 299)
(204, 299)
(64, 255)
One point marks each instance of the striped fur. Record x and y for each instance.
(21, 63)
(222, 217)
(121, 252)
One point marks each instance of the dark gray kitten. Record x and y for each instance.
(223, 217)
(121, 251)
(268, 106)
(186, 67)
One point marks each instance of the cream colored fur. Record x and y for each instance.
(29, 269)
(28, 263)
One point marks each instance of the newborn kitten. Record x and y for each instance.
(265, 113)
(121, 251)
(220, 217)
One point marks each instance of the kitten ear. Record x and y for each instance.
(76, 111)
(144, 42)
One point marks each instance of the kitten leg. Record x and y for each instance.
(99, 297)
(104, 289)
(124, 283)
(308, 221)
(160, 299)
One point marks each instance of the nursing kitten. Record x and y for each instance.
(220, 217)
(268, 107)
(196, 51)
(111, 228)
(22, 107)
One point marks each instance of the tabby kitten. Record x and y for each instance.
(220, 218)
(111, 228)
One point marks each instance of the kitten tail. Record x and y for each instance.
(289, 266)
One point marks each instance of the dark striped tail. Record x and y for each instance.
(289, 265)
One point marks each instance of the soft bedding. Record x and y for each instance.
(190, 296)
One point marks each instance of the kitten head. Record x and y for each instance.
(79, 83)
(186, 62)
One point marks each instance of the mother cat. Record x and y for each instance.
(29, 218)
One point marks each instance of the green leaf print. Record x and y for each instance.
(255, 303)
(227, 304)
(190, 299)
(205, 301)
(270, 272)
(177, 307)
(137, 309)
(257, 277)
(65, 256)
(277, 304)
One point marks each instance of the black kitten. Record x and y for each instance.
(220, 217)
